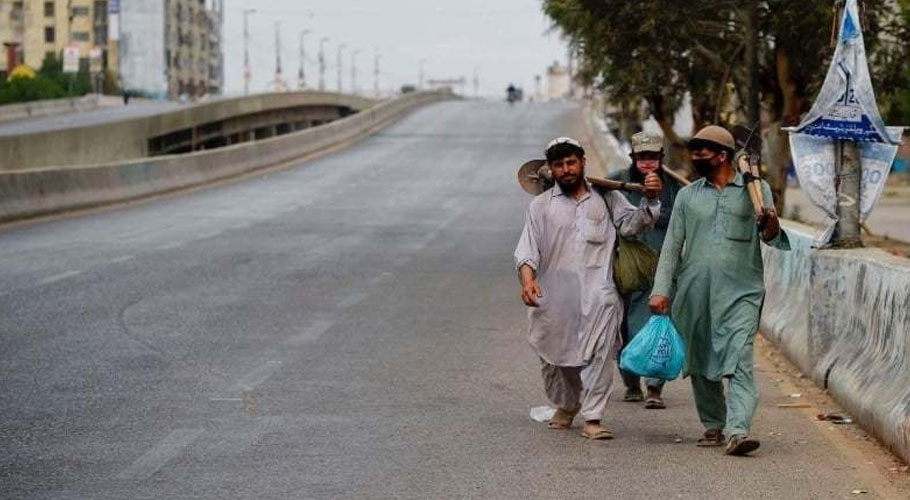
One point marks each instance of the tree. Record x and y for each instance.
(655, 52)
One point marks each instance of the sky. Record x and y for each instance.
(504, 41)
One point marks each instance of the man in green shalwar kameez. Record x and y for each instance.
(713, 250)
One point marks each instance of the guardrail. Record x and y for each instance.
(51, 107)
(37, 192)
(843, 317)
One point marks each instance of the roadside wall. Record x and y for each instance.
(11, 112)
(843, 317)
(36, 192)
(128, 139)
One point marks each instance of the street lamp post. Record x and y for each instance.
(301, 74)
(376, 58)
(354, 71)
(340, 64)
(322, 62)
(246, 50)
(420, 85)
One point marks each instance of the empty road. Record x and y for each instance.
(349, 328)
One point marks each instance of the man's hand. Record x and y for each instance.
(659, 305)
(652, 185)
(768, 224)
(530, 292)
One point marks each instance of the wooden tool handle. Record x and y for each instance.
(616, 185)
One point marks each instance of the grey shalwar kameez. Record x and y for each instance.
(570, 244)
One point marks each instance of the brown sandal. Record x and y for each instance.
(562, 419)
(712, 438)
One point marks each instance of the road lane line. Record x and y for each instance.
(352, 300)
(312, 331)
(257, 376)
(121, 260)
(153, 460)
(233, 440)
(169, 246)
(59, 277)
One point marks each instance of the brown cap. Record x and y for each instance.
(642, 142)
(715, 135)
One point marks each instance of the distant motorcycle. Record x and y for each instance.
(512, 95)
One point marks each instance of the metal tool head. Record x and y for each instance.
(534, 177)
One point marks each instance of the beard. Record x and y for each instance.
(569, 186)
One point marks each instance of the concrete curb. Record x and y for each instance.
(34, 193)
(842, 317)
(51, 107)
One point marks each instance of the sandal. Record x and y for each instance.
(654, 401)
(596, 431)
(712, 438)
(562, 419)
(740, 445)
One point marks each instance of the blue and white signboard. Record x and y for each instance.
(844, 110)
(845, 107)
(813, 157)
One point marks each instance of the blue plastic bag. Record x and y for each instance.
(656, 351)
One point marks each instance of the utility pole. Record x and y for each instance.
(340, 64)
(750, 25)
(301, 74)
(354, 71)
(279, 83)
(420, 78)
(322, 62)
(376, 58)
(246, 50)
(476, 81)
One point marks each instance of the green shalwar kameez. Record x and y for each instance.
(712, 249)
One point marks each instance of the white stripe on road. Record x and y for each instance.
(169, 246)
(153, 460)
(352, 300)
(121, 260)
(59, 277)
(257, 376)
(233, 440)
(311, 332)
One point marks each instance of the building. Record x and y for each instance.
(171, 48)
(558, 82)
(33, 29)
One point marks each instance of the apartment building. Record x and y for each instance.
(171, 48)
(33, 29)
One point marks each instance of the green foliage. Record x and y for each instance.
(29, 89)
(52, 83)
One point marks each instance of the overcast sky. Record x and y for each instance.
(504, 40)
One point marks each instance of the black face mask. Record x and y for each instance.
(703, 166)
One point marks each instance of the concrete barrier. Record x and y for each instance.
(36, 192)
(843, 317)
(128, 139)
(51, 107)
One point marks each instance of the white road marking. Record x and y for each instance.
(169, 246)
(59, 277)
(312, 331)
(257, 376)
(121, 260)
(352, 300)
(235, 439)
(153, 460)
(226, 400)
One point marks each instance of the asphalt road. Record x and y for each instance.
(136, 109)
(347, 329)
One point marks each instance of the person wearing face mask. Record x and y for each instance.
(647, 156)
(564, 260)
(712, 257)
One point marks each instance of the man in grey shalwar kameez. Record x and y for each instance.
(565, 263)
